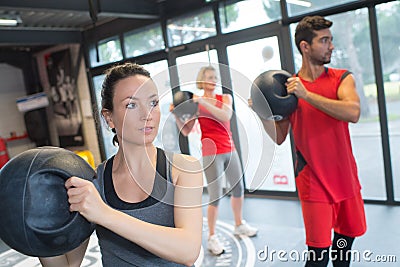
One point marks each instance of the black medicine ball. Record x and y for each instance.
(184, 107)
(269, 96)
(35, 218)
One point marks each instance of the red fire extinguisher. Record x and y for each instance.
(3, 152)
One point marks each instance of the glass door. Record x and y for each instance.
(267, 166)
(388, 14)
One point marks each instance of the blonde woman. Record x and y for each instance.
(219, 155)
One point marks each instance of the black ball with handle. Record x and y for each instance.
(269, 96)
(35, 218)
(184, 106)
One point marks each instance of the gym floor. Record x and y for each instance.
(280, 241)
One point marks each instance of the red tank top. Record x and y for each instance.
(330, 174)
(216, 136)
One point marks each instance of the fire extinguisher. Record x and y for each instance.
(3, 152)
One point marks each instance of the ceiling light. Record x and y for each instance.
(10, 20)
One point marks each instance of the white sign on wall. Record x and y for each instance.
(32, 102)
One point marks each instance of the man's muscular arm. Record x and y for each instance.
(345, 108)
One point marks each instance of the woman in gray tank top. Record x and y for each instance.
(146, 204)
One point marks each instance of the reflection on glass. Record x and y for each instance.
(143, 41)
(353, 51)
(255, 57)
(389, 40)
(246, 14)
(297, 7)
(109, 51)
(190, 28)
(267, 166)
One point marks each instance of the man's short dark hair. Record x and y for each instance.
(306, 27)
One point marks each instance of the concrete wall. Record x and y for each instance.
(11, 120)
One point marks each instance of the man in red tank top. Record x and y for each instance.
(327, 181)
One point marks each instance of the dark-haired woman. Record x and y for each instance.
(146, 203)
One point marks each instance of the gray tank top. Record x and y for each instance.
(118, 251)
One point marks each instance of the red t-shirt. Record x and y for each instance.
(330, 174)
(216, 136)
